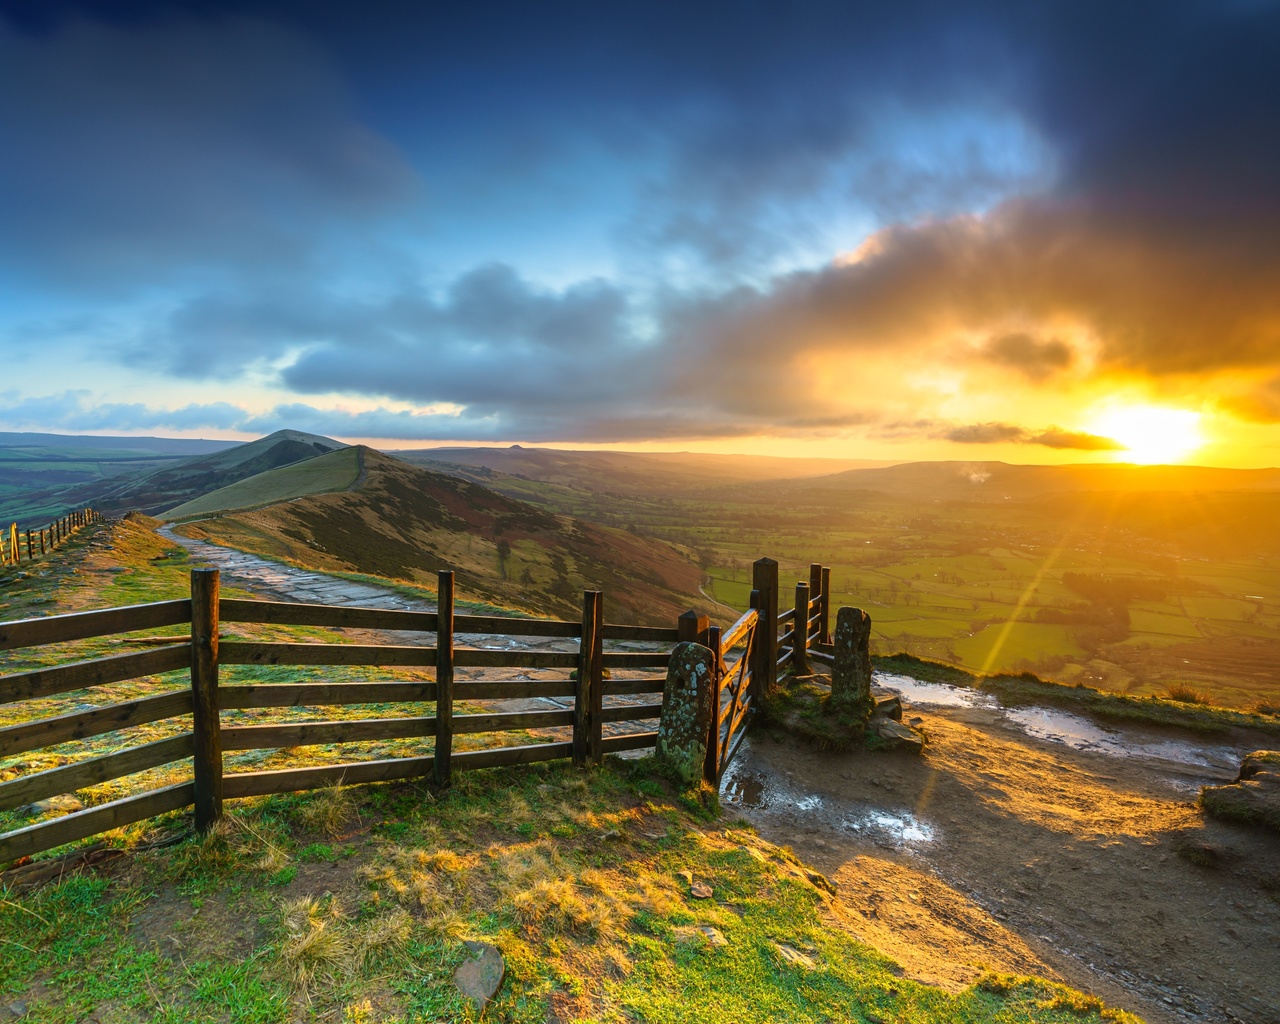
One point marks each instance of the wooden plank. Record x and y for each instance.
(738, 631)
(824, 627)
(628, 660)
(510, 721)
(442, 765)
(70, 777)
(291, 780)
(657, 634)
(94, 820)
(45, 682)
(784, 659)
(238, 653)
(53, 629)
(78, 725)
(513, 690)
(303, 734)
(501, 625)
(496, 757)
(629, 741)
(292, 614)
(631, 713)
(787, 616)
(471, 657)
(625, 687)
(735, 722)
(764, 588)
(823, 656)
(288, 695)
(205, 721)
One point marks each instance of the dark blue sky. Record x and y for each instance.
(891, 230)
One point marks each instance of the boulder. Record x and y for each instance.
(895, 735)
(481, 976)
(685, 725)
(1254, 798)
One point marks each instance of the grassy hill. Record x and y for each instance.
(41, 474)
(334, 471)
(403, 522)
(632, 473)
(183, 481)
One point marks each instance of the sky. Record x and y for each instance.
(1037, 232)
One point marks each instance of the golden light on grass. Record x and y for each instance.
(1151, 434)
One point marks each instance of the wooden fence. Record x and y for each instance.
(46, 538)
(739, 690)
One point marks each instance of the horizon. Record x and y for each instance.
(1039, 237)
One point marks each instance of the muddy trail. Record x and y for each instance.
(1030, 840)
(1025, 840)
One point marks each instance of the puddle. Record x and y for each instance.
(940, 695)
(780, 797)
(1073, 731)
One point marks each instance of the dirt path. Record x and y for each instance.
(1023, 854)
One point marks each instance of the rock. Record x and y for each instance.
(851, 671)
(63, 803)
(686, 712)
(895, 735)
(700, 891)
(792, 957)
(479, 978)
(1255, 796)
(888, 705)
(701, 932)
(18, 1008)
(687, 876)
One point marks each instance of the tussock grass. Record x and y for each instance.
(1185, 693)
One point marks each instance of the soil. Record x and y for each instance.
(996, 850)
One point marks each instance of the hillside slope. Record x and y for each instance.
(403, 522)
(333, 471)
(183, 481)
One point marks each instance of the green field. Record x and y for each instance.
(336, 471)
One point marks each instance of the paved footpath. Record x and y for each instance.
(279, 582)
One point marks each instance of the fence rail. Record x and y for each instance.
(52, 535)
(739, 687)
(201, 703)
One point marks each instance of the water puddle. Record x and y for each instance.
(940, 695)
(1071, 730)
(779, 797)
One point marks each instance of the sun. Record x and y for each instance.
(1151, 433)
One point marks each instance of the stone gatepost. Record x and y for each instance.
(686, 711)
(851, 674)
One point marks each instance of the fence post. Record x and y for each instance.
(824, 626)
(800, 632)
(815, 591)
(711, 767)
(764, 673)
(693, 627)
(29, 555)
(588, 695)
(205, 724)
(42, 540)
(442, 765)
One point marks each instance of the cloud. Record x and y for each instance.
(1005, 433)
(153, 151)
(78, 410)
(1030, 356)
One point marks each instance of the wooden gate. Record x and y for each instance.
(734, 688)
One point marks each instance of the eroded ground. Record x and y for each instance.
(999, 849)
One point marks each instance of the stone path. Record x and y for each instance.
(279, 582)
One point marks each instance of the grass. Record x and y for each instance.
(335, 471)
(577, 877)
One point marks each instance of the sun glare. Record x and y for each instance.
(1151, 433)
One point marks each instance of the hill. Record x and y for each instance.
(1000, 481)
(41, 475)
(191, 478)
(334, 471)
(632, 473)
(403, 522)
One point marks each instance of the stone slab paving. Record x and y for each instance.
(280, 582)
